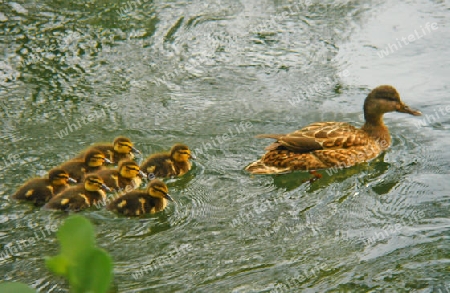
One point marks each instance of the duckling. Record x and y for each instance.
(126, 174)
(41, 190)
(175, 163)
(81, 196)
(138, 202)
(121, 148)
(78, 168)
(324, 145)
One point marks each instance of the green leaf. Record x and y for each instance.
(58, 265)
(86, 267)
(15, 288)
(76, 237)
(97, 271)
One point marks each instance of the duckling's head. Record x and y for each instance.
(94, 158)
(158, 189)
(123, 145)
(94, 182)
(181, 153)
(128, 169)
(384, 99)
(59, 177)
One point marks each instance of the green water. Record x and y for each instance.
(192, 71)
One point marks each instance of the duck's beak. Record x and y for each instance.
(193, 157)
(403, 108)
(142, 174)
(107, 161)
(169, 197)
(71, 180)
(135, 150)
(106, 188)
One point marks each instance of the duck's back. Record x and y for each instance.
(130, 204)
(159, 164)
(38, 191)
(317, 146)
(75, 198)
(136, 203)
(68, 199)
(320, 136)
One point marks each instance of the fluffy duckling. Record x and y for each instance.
(175, 163)
(81, 196)
(334, 144)
(78, 168)
(138, 202)
(121, 148)
(41, 190)
(126, 174)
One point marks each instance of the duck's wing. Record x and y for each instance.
(36, 191)
(159, 164)
(319, 136)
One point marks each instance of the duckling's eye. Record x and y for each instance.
(131, 168)
(124, 144)
(160, 190)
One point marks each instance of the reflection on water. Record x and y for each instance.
(213, 75)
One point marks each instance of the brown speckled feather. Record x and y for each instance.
(317, 146)
(319, 136)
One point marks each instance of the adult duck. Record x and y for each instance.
(325, 145)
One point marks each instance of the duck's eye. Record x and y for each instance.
(391, 99)
(124, 145)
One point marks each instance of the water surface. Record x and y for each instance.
(191, 71)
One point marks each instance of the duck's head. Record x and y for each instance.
(384, 99)
(60, 177)
(94, 182)
(129, 169)
(158, 189)
(181, 153)
(95, 158)
(123, 145)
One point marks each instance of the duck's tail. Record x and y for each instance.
(259, 167)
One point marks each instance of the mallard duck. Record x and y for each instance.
(324, 145)
(139, 202)
(78, 168)
(41, 190)
(126, 176)
(81, 196)
(121, 148)
(175, 163)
